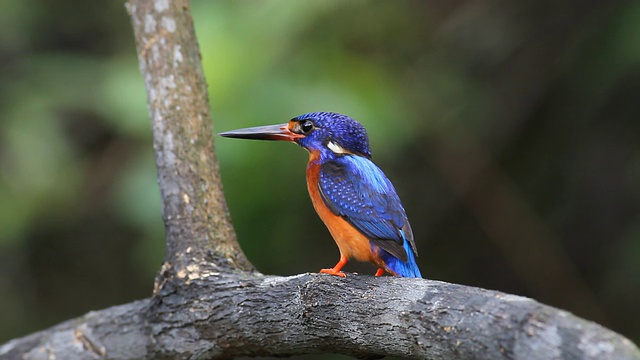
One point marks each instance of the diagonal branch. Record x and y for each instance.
(197, 222)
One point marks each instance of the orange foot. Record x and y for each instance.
(336, 269)
(333, 271)
(380, 272)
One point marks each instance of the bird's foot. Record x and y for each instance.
(333, 271)
(380, 272)
(336, 269)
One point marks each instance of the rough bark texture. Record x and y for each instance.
(229, 315)
(197, 222)
(208, 303)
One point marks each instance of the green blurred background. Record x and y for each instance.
(510, 129)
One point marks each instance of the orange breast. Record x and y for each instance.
(351, 242)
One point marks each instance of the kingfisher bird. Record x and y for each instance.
(352, 196)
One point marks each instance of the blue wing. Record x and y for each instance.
(356, 189)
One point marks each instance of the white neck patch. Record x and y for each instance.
(337, 148)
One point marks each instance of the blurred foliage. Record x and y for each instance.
(510, 130)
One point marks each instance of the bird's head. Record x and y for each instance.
(329, 133)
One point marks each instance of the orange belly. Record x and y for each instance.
(351, 242)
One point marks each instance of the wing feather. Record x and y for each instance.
(356, 189)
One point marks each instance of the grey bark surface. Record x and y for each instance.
(228, 315)
(209, 303)
(197, 221)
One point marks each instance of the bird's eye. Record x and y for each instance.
(306, 126)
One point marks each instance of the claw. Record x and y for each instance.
(336, 269)
(333, 271)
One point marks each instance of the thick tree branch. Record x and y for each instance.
(228, 315)
(197, 222)
(206, 306)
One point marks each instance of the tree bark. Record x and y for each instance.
(228, 315)
(197, 222)
(209, 303)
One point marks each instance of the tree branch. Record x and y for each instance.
(206, 306)
(197, 222)
(229, 315)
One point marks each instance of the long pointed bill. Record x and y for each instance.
(270, 132)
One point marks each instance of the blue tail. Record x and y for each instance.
(403, 269)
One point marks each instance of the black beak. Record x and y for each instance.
(269, 132)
